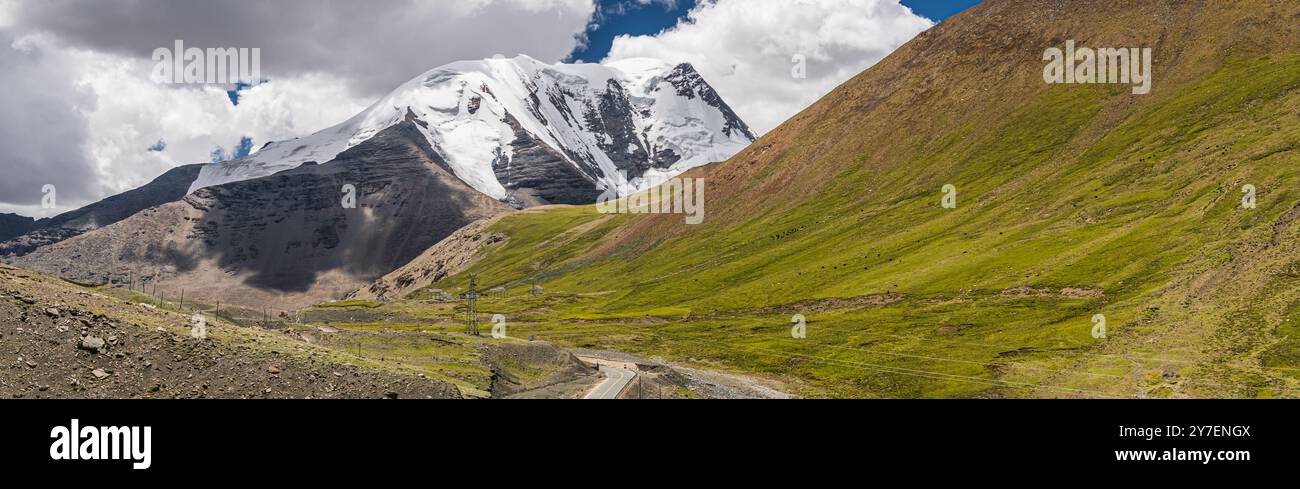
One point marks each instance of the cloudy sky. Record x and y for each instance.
(81, 112)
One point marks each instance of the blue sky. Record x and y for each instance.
(938, 10)
(631, 17)
(618, 17)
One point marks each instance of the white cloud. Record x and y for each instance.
(8, 12)
(81, 112)
(372, 45)
(744, 49)
(134, 113)
(99, 114)
(44, 129)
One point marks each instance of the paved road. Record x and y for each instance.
(616, 379)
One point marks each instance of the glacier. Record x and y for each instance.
(636, 119)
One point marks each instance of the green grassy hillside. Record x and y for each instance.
(1073, 201)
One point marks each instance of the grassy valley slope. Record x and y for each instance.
(1074, 200)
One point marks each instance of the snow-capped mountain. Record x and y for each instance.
(530, 133)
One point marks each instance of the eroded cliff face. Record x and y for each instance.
(538, 174)
(450, 256)
(286, 240)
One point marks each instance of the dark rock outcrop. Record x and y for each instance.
(690, 84)
(538, 174)
(14, 225)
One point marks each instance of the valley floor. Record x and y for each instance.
(71, 340)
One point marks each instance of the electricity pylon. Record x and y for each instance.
(471, 307)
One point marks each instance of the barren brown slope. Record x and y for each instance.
(962, 80)
(448, 257)
(286, 240)
(73, 342)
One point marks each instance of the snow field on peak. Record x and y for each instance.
(463, 110)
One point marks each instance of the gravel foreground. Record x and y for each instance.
(64, 341)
